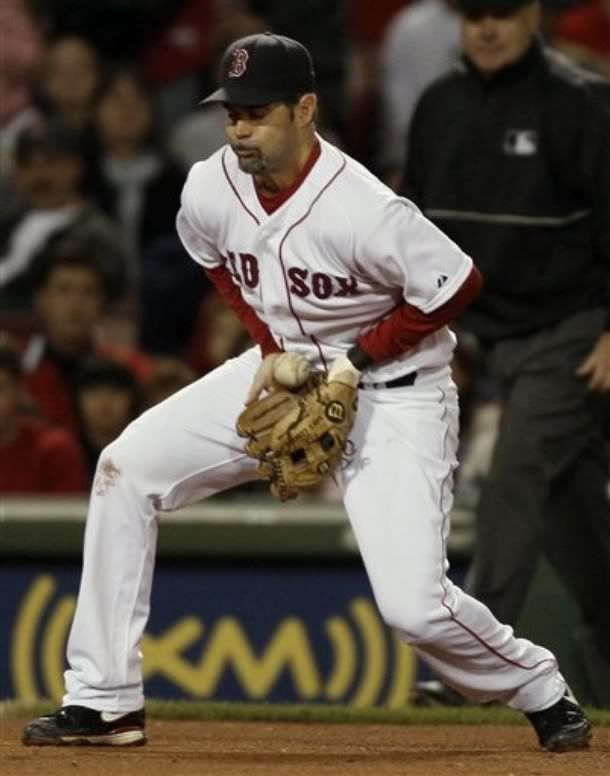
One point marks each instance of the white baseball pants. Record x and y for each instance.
(397, 491)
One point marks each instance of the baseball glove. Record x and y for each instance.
(299, 437)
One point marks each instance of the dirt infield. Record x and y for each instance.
(278, 749)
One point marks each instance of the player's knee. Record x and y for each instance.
(419, 624)
(124, 455)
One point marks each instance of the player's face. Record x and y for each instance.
(264, 138)
(493, 42)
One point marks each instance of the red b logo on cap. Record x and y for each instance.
(238, 63)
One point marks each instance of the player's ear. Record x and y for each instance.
(306, 110)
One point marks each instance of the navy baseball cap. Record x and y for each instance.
(479, 8)
(264, 68)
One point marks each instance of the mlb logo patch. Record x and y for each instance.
(520, 142)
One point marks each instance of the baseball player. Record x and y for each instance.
(319, 258)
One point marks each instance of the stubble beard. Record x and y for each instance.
(252, 165)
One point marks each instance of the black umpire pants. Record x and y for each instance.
(547, 487)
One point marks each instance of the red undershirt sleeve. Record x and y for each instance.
(259, 331)
(406, 326)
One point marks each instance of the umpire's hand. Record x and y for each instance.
(597, 365)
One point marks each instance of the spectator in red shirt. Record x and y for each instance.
(34, 457)
(70, 304)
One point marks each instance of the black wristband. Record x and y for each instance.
(359, 358)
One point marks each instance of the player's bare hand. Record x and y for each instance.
(343, 371)
(263, 379)
(596, 366)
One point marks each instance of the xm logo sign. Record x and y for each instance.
(360, 662)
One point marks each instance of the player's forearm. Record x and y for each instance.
(259, 331)
(407, 326)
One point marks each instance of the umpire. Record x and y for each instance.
(509, 154)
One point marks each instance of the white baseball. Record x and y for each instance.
(291, 370)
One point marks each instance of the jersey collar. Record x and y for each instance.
(270, 203)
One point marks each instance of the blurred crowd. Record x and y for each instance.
(102, 313)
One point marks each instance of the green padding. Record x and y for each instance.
(261, 527)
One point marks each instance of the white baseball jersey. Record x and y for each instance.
(336, 258)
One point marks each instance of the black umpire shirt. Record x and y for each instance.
(516, 170)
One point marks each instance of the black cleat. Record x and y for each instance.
(563, 727)
(79, 725)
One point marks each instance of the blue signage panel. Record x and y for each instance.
(248, 632)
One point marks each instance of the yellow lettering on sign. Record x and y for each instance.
(375, 649)
(345, 658)
(229, 647)
(23, 656)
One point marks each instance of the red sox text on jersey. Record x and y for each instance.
(244, 268)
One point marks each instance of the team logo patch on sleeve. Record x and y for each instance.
(238, 64)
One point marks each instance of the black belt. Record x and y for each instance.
(399, 382)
